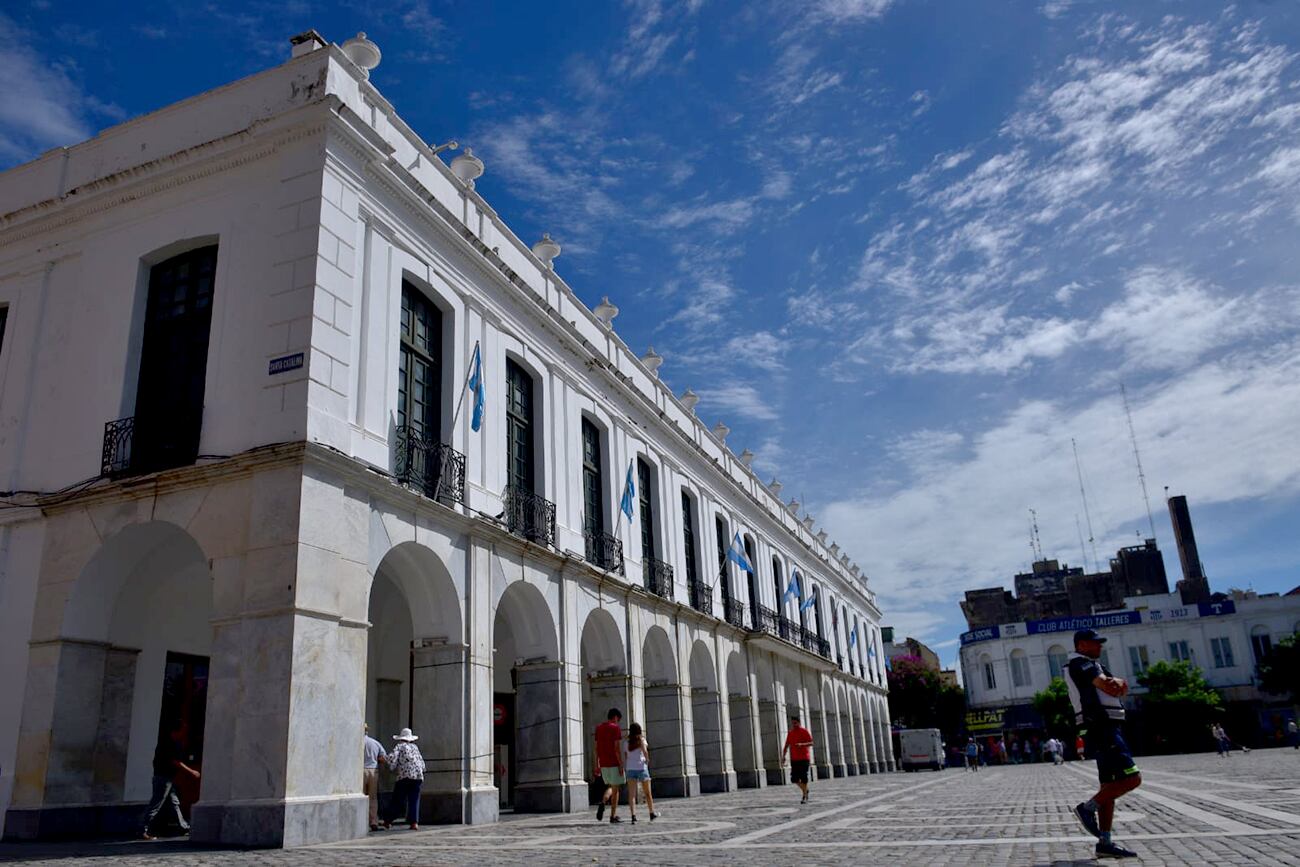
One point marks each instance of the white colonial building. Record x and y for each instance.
(1006, 665)
(245, 504)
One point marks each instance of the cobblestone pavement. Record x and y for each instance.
(1190, 810)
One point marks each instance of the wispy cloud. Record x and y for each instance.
(739, 399)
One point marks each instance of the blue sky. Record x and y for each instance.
(905, 249)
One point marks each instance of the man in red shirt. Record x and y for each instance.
(799, 743)
(609, 762)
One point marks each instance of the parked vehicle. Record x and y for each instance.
(921, 748)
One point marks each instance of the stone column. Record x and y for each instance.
(869, 732)
(541, 784)
(670, 776)
(437, 716)
(749, 774)
(770, 721)
(822, 744)
(483, 801)
(706, 709)
(864, 751)
(850, 745)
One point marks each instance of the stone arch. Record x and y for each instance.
(665, 722)
(868, 733)
(741, 710)
(127, 668)
(846, 732)
(706, 719)
(528, 684)
(605, 683)
(416, 670)
(658, 659)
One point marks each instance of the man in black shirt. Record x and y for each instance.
(1098, 712)
(168, 761)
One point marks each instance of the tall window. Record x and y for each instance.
(419, 366)
(749, 576)
(174, 359)
(688, 537)
(1019, 668)
(4, 320)
(817, 612)
(520, 468)
(1222, 650)
(1138, 659)
(1179, 651)
(990, 679)
(647, 509)
(1056, 658)
(724, 541)
(593, 481)
(776, 584)
(1261, 642)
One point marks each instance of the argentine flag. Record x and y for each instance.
(629, 494)
(736, 554)
(792, 589)
(808, 603)
(476, 385)
(853, 636)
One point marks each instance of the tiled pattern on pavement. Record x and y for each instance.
(1195, 809)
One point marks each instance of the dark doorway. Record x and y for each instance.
(503, 746)
(182, 717)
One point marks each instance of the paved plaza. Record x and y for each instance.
(1191, 810)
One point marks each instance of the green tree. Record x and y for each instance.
(1279, 672)
(1053, 705)
(1179, 706)
(918, 699)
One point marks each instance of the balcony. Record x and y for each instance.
(430, 467)
(658, 577)
(701, 597)
(529, 516)
(604, 551)
(766, 620)
(135, 446)
(735, 612)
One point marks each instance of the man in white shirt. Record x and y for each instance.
(372, 754)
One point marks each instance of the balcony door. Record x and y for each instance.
(419, 372)
(174, 361)
(521, 471)
(593, 482)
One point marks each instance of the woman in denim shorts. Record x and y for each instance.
(636, 761)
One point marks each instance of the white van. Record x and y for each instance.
(921, 748)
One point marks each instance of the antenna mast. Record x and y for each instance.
(1142, 479)
(1035, 544)
(1082, 549)
(1078, 468)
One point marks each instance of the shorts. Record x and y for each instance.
(799, 770)
(638, 775)
(612, 776)
(1105, 743)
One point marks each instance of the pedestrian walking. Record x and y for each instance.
(1057, 748)
(798, 742)
(1095, 694)
(972, 755)
(408, 765)
(1293, 734)
(636, 765)
(168, 764)
(372, 753)
(609, 762)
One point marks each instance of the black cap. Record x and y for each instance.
(1089, 635)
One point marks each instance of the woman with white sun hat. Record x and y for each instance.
(408, 765)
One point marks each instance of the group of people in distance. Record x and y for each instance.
(622, 761)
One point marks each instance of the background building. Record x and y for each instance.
(253, 507)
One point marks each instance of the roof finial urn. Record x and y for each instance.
(775, 487)
(605, 311)
(547, 250)
(652, 360)
(720, 430)
(364, 53)
(467, 167)
(747, 458)
(689, 400)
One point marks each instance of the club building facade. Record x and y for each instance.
(246, 507)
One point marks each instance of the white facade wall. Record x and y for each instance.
(1164, 621)
(322, 202)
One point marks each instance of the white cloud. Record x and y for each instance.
(762, 349)
(850, 11)
(41, 104)
(738, 398)
(727, 216)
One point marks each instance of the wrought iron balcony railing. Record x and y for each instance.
(765, 620)
(701, 597)
(433, 468)
(604, 551)
(135, 446)
(658, 577)
(734, 610)
(529, 515)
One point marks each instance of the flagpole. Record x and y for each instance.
(455, 417)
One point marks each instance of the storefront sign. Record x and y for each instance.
(988, 633)
(1096, 621)
(1214, 609)
(985, 720)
